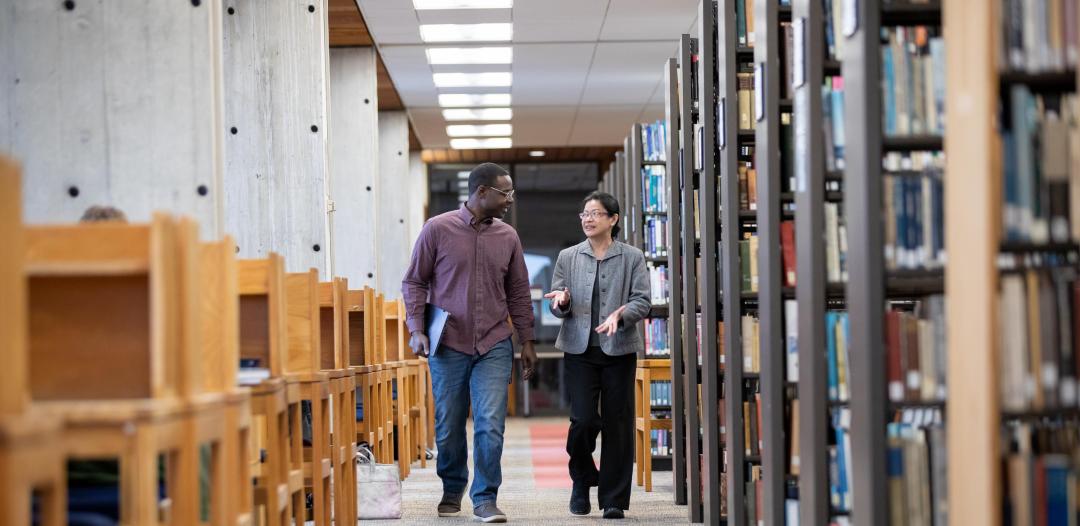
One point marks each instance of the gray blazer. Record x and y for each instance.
(624, 280)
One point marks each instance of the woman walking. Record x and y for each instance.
(601, 291)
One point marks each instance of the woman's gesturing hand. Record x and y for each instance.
(560, 297)
(611, 323)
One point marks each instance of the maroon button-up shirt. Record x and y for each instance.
(476, 272)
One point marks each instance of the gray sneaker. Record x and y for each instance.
(488, 512)
(450, 505)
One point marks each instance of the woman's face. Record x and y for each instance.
(595, 221)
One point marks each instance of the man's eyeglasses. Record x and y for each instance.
(508, 195)
(593, 214)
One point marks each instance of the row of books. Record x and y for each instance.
(755, 493)
(656, 337)
(751, 344)
(840, 478)
(660, 440)
(1041, 185)
(915, 350)
(1040, 484)
(655, 236)
(913, 81)
(654, 189)
(914, 221)
(834, 20)
(837, 336)
(659, 288)
(748, 196)
(1038, 35)
(660, 393)
(832, 111)
(916, 468)
(654, 141)
(836, 246)
(744, 83)
(1039, 337)
(748, 261)
(752, 437)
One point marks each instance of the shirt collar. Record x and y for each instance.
(469, 219)
(614, 250)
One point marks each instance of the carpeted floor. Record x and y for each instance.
(536, 486)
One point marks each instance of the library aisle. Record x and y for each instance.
(536, 486)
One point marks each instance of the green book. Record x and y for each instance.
(744, 264)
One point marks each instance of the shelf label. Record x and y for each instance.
(851, 17)
(799, 51)
(721, 122)
(759, 91)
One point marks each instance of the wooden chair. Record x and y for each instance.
(220, 311)
(31, 460)
(304, 369)
(361, 348)
(334, 358)
(644, 423)
(112, 354)
(382, 388)
(279, 476)
(397, 354)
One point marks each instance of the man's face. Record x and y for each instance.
(496, 201)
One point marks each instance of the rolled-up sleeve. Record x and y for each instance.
(558, 282)
(518, 297)
(417, 280)
(638, 304)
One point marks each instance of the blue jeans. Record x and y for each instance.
(455, 379)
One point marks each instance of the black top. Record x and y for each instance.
(594, 338)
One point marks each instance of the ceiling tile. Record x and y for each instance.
(603, 124)
(464, 16)
(430, 127)
(408, 67)
(550, 74)
(542, 126)
(558, 20)
(648, 19)
(626, 72)
(391, 21)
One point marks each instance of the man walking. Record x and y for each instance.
(469, 263)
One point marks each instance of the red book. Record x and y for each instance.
(787, 246)
(892, 355)
(913, 374)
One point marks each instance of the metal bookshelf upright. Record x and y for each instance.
(675, 306)
(688, 109)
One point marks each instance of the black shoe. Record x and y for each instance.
(450, 505)
(579, 500)
(488, 512)
(613, 513)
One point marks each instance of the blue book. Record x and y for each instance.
(434, 324)
(830, 347)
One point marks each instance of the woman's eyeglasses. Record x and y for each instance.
(592, 214)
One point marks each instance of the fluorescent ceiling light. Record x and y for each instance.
(463, 174)
(462, 4)
(479, 130)
(470, 55)
(537, 153)
(457, 100)
(478, 114)
(473, 144)
(498, 32)
(473, 80)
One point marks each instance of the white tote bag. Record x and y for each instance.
(378, 487)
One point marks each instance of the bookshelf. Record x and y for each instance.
(811, 294)
(713, 372)
(882, 127)
(688, 179)
(675, 305)
(772, 63)
(1009, 96)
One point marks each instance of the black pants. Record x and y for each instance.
(595, 377)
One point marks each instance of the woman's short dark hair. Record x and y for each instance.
(611, 206)
(486, 174)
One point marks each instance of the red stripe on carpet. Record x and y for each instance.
(549, 455)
